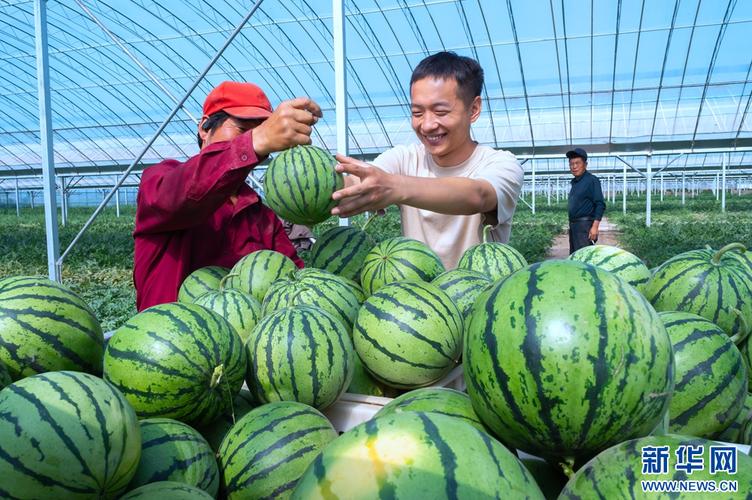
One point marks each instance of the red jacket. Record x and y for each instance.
(185, 219)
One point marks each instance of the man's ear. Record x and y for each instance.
(475, 108)
(201, 132)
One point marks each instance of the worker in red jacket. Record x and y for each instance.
(201, 212)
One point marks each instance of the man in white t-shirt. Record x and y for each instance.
(448, 186)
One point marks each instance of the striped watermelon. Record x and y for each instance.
(4, 376)
(299, 183)
(745, 435)
(746, 349)
(300, 353)
(563, 359)
(408, 334)
(167, 490)
(625, 265)
(200, 281)
(341, 250)
(710, 376)
(66, 435)
(715, 285)
(255, 272)
(240, 309)
(266, 452)
(618, 471)
(398, 259)
(216, 431)
(46, 327)
(173, 451)
(314, 287)
(439, 400)
(492, 259)
(416, 455)
(463, 287)
(189, 360)
(363, 383)
(733, 432)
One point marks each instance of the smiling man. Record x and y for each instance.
(447, 186)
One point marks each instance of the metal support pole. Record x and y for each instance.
(63, 214)
(684, 187)
(549, 191)
(717, 190)
(117, 203)
(18, 201)
(532, 205)
(624, 191)
(648, 190)
(723, 181)
(340, 81)
(45, 132)
(161, 128)
(662, 189)
(557, 190)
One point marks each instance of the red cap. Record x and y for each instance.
(241, 100)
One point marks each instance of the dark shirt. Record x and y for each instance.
(185, 219)
(586, 197)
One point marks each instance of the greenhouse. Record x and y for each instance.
(524, 275)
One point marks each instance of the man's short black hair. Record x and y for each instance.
(444, 65)
(212, 122)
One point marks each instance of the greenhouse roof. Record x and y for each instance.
(612, 76)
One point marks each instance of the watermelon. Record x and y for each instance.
(398, 259)
(189, 361)
(463, 287)
(563, 359)
(710, 376)
(363, 383)
(266, 452)
(201, 281)
(240, 309)
(173, 451)
(167, 490)
(437, 400)
(314, 287)
(733, 431)
(416, 455)
(66, 435)
(625, 265)
(4, 376)
(746, 349)
(46, 327)
(254, 273)
(300, 353)
(215, 432)
(618, 471)
(299, 183)
(492, 259)
(715, 285)
(745, 435)
(408, 334)
(341, 250)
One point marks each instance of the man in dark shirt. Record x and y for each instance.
(586, 205)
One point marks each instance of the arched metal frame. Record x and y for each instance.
(619, 77)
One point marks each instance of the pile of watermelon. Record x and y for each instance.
(584, 363)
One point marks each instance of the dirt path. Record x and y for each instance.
(560, 247)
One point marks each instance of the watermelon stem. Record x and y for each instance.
(744, 333)
(219, 371)
(567, 466)
(486, 231)
(731, 246)
(224, 279)
(369, 220)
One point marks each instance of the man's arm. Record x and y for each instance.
(378, 189)
(600, 208)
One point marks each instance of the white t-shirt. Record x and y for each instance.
(450, 235)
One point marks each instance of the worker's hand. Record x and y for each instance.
(593, 233)
(289, 125)
(375, 191)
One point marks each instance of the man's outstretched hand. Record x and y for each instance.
(375, 190)
(289, 125)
